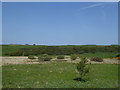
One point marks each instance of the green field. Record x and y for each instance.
(58, 75)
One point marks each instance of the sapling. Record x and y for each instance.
(83, 68)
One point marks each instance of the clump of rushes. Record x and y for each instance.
(96, 59)
(83, 68)
(73, 57)
(60, 57)
(31, 57)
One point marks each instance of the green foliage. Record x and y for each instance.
(118, 55)
(83, 68)
(20, 50)
(60, 57)
(44, 57)
(99, 54)
(73, 57)
(97, 59)
(47, 58)
(31, 57)
(40, 58)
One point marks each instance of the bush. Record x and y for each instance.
(96, 59)
(117, 55)
(40, 58)
(73, 57)
(60, 57)
(48, 58)
(31, 57)
(44, 55)
(44, 58)
(83, 68)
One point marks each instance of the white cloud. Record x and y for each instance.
(91, 6)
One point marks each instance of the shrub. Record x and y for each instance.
(118, 55)
(47, 58)
(31, 57)
(44, 58)
(60, 57)
(97, 59)
(73, 57)
(83, 68)
(40, 58)
(45, 55)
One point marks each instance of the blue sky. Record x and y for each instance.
(60, 23)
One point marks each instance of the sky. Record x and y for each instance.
(60, 23)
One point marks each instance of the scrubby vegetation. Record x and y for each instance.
(73, 57)
(60, 57)
(25, 50)
(40, 58)
(47, 58)
(96, 59)
(31, 57)
(118, 55)
(44, 57)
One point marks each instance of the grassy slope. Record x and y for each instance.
(58, 75)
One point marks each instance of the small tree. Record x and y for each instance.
(83, 68)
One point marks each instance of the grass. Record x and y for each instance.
(58, 75)
(99, 54)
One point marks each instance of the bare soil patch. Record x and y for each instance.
(25, 60)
